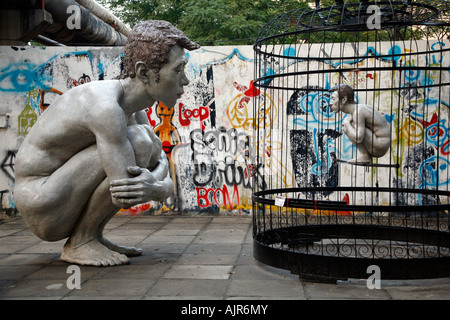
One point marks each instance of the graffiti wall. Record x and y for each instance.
(208, 135)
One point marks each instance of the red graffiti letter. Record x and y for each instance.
(203, 196)
(183, 121)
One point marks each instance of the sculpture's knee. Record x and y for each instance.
(142, 144)
(378, 147)
(50, 221)
(49, 231)
(51, 234)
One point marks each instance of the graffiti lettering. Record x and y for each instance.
(201, 112)
(223, 171)
(214, 142)
(205, 194)
(221, 156)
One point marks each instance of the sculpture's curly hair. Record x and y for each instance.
(150, 41)
(344, 90)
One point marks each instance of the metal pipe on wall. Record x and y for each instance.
(91, 28)
(99, 11)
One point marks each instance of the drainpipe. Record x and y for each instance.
(92, 28)
(99, 11)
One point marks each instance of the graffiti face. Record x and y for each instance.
(23, 77)
(164, 111)
(433, 172)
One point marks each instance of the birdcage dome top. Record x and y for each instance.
(352, 16)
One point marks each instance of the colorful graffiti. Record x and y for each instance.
(216, 172)
(208, 135)
(417, 109)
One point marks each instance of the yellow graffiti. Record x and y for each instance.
(27, 117)
(411, 133)
(238, 114)
(408, 134)
(239, 117)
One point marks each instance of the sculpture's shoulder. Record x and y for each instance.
(364, 110)
(79, 110)
(95, 99)
(95, 93)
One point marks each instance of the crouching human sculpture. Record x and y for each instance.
(365, 127)
(93, 151)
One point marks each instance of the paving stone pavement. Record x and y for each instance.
(184, 258)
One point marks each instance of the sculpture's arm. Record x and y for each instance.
(360, 125)
(144, 185)
(114, 149)
(354, 127)
(162, 168)
(140, 117)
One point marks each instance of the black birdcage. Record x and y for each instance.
(321, 209)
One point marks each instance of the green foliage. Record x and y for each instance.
(234, 22)
(208, 22)
(134, 11)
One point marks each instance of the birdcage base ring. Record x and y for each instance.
(334, 261)
(327, 248)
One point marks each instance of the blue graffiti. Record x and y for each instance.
(393, 55)
(316, 104)
(269, 72)
(235, 52)
(23, 77)
(425, 78)
(194, 69)
(430, 170)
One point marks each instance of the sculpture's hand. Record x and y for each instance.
(141, 188)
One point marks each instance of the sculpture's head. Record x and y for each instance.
(151, 42)
(342, 94)
(155, 56)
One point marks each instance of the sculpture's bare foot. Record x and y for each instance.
(128, 251)
(92, 253)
